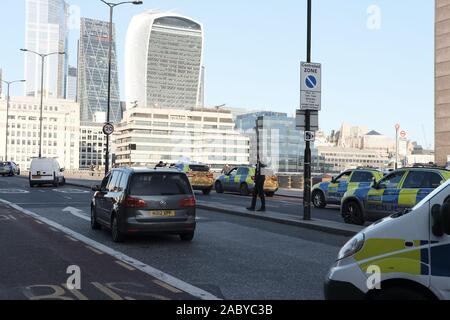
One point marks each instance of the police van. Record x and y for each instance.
(405, 256)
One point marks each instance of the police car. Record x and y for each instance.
(242, 179)
(401, 189)
(404, 256)
(325, 193)
(199, 175)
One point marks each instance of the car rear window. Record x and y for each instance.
(199, 168)
(152, 184)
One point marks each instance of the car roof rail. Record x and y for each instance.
(428, 166)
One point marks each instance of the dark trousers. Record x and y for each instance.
(259, 191)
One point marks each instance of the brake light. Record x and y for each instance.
(274, 178)
(210, 175)
(188, 202)
(190, 174)
(131, 202)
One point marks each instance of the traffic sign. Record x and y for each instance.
(108, 129)
(310, 136)
(403, 134)
(314, 120)
(311, 86)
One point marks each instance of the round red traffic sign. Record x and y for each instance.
(403, 134)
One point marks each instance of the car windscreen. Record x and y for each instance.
(4, 164)
(152, 184)
(199, 168)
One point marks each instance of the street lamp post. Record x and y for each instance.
(111, 11)
(43, 56)
(8, 84)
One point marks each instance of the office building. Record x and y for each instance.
(163, 59)
(442, 82)
(92, 143)
(46, 32)
(60, 139)
(71, 89)
(93, 52)
(170, 135)
(281, 144)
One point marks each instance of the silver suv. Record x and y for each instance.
(135, 201)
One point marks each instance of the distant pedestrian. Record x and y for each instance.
(226, 169)
(258, 190)
(92, 169)
(161, 164)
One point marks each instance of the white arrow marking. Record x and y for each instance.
(77, 213)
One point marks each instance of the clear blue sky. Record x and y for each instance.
(253, 49)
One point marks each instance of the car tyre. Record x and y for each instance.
(353, 213)
(94, 224)
(117, 236)
(318, 199)
(218, 186)
(243, 189)
(399, 293)
(206, 191)
(270, 194)
(187, 237)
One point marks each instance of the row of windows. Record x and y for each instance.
(34, 107)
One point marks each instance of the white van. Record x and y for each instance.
(405, 256)
(46, 171)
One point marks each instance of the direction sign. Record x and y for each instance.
(311, 86)
(108, 129)
(310, 136)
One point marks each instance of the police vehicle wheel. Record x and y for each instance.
(94, 224)
(318, 200)
(399, 293)
(218, 187)
(244, 190)
(354, 213)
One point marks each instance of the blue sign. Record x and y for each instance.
(311, 82)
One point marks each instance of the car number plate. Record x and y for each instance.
(162, 213)
(36, 177)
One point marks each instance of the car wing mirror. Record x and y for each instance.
(96, 188)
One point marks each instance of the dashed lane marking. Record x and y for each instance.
(107, 291)
(70, 238)
(158, 274)
(94, 250)
(166, 286)
(124, 265)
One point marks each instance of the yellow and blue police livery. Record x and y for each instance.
(242, 179)
(399, 190)
(404, 256)
(325, 193)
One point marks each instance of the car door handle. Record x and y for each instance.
(409, 244)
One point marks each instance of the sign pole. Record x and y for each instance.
(307, 165)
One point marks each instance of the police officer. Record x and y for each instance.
(259, 189)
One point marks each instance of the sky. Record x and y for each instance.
(377, 56)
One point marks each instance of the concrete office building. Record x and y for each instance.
(442, 85)
(163, 59)
(46, 32)
(61, 125)
(202, 135)
(92, 140)
(93, 51)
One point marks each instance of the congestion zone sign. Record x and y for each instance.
(311, 86)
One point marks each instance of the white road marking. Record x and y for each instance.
(70, 191)
(94, 250)
(166, 286)
(13, 191)
(77, 213)
(37, 221)
(124, 265)
(158, 274)
(107, 291)
(70, 238)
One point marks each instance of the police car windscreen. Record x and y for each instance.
(159, 184)
(199, 168)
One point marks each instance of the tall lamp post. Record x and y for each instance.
(111, 11)
(43, 56)
(8, 84)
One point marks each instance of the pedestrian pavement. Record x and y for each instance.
(291, 193)
(273, 216)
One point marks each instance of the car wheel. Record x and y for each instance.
(270, 194)
(399, 293)
(187, 236)
(318, 199)
(117, 236)
(244, 190)
(206, 191)
(353, 213)
(218, 186)
(94, 224)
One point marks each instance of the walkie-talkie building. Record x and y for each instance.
(93, 72)
(163, 59)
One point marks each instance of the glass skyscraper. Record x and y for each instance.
(46, 32)
(93, 50)
(163, 59)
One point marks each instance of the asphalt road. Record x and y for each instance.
(231, 257)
